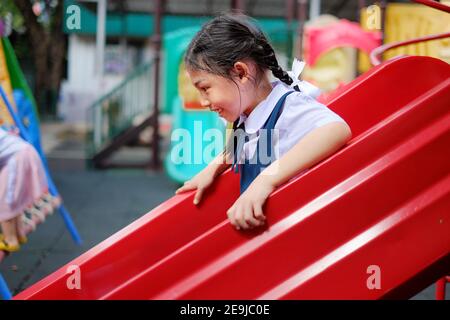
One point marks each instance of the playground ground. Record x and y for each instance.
(100, 202)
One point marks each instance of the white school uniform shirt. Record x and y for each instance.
(300, 115)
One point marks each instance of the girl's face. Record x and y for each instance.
(220, 94)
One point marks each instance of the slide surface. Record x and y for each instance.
(377, 209)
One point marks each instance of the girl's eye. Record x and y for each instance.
(204, 89)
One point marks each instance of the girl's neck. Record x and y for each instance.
(262, 92)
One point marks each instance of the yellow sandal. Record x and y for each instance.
(22, 239)
(5, 246)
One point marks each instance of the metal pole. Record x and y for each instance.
(238, 5)
(5, 294)
(289, 19)
(383, 19)
(301, 17)
(361, 5)
(289, 11)
(156, 163)
(100, 38)
(314, 9)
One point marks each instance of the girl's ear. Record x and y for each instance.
(241, 71)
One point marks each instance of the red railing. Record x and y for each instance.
(440, 287)
(434, 4)
(376, 54)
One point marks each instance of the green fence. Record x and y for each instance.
(117, 110)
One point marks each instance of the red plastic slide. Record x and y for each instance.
(372, 221)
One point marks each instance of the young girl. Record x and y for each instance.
(228, 62)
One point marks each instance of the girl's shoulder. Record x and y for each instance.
(301, 109)
(296, 98)
(299, 98)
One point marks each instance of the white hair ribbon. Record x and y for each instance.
(304, 86)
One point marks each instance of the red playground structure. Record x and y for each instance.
(377, 209)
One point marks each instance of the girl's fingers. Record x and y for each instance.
(233, 216)
(198, 196)
(180, 190)
(185, 187)
(258, 212)
(249, 218)
(246, 217)
(240, 218)
(230, 215)
(230, 212)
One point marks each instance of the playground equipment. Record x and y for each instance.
(440, 287)
(52, 188)
(112, 118)
(375, 58)
(31, 133)
(340, 34)
(330, 46)
(5, 118)
(367, 205)
(20, 97)
(365, 208)
(20, 113)
(405, 21)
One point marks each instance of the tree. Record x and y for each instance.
(48, 48)
(11, 17)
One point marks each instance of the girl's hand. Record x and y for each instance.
(246, 212)
(200, 182)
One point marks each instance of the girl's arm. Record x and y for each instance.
(247, 212)
(314, 147)
(220, 163)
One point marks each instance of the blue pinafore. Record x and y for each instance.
(250, 169)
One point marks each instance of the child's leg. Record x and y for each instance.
(21, 230)
(9, 232)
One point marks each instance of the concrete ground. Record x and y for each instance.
(100, 202)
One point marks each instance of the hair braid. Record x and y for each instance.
(271, 62)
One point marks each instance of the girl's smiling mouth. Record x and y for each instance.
(218, 110)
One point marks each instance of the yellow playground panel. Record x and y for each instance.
(188, 93)
(404, 22)
(5, 117)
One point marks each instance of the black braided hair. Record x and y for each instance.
(271, 62)
(229, 38)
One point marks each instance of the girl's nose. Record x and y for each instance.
(205, 103)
